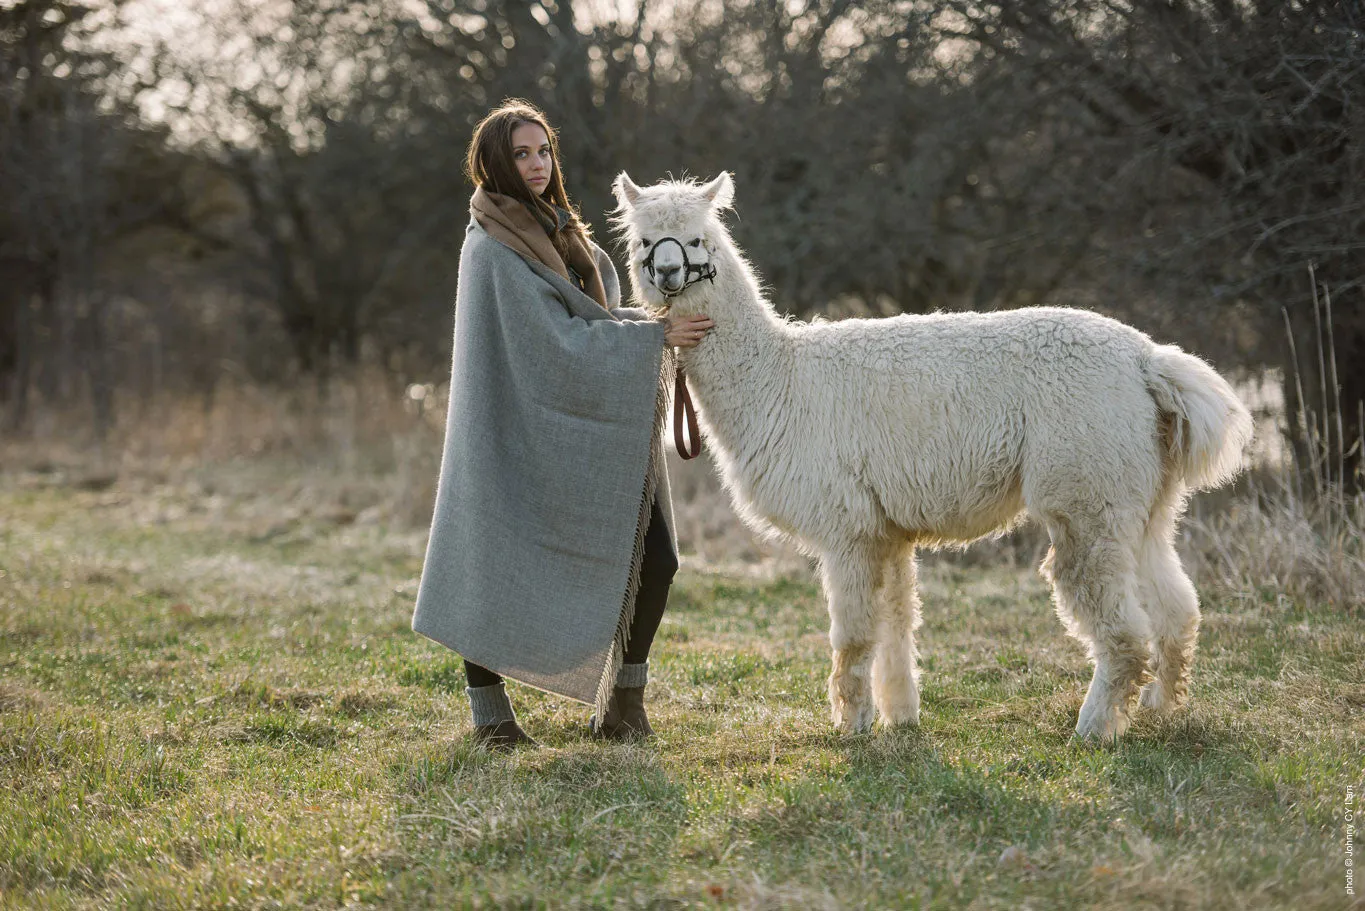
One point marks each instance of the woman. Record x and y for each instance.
(551, 550)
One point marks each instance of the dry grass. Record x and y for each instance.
(1270, 541)
(366, 451)
(362, 449)
(359, 448)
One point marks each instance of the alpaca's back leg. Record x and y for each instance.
(1173, 606)
(895, 677)
(851, 576)
(1092, 566)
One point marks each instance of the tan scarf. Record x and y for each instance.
(510, 222)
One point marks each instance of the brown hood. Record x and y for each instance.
(508, 221)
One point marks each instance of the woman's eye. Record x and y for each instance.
(695, 243)
(519, 155)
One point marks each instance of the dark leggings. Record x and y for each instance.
(657, 568)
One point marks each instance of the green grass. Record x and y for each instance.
(204, 702)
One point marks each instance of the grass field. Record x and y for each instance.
(209, 699)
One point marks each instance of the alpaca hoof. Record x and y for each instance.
(896, 705)
(1154, 697)
(855, 727)
(899, 724)
(906, 716)
(1105, 726)
(1159, 698)
(853, 719)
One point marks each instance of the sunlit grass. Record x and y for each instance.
(207, 702)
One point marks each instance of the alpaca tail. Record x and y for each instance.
(1208, 427)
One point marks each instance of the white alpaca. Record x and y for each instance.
(865, 438)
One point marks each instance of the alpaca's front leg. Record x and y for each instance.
(851, 577)
(895, 683)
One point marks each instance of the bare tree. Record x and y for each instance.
(73, 175)
(1221, 142)
(1175, 162)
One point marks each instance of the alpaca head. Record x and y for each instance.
(671, 231)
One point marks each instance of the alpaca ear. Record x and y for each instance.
(625, 190)
(720, 192)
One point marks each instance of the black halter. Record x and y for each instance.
(692, 272)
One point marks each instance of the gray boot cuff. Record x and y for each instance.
(633, 676)
(490, 704)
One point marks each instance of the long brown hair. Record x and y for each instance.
(490, 165)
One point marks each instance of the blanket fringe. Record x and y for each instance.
(616, 656)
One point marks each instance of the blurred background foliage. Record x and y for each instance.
(266, 192)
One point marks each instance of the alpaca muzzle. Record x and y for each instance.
(674, 280)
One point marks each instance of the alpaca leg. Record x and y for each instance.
(895, 676)
(1095, 588)
(851, 576)
(1173, 607)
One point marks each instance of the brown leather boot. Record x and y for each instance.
(495, 724)
(503, 737)
(625, 718)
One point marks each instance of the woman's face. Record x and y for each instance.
(531, 152)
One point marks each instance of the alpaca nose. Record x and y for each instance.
(667, 273)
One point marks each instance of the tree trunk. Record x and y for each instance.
(98, 365)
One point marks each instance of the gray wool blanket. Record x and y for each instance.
(552, 460)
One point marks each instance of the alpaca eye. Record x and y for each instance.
(695, 243)
(645, 243)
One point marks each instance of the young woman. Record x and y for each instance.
(551, 550)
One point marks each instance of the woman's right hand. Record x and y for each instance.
(686, 331)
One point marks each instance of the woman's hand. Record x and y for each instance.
(686, 331)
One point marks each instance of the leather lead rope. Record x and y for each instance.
(682, 406)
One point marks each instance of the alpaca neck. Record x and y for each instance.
(743, 367)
